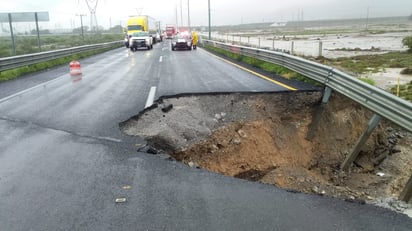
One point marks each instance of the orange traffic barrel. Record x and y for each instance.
(75, 68)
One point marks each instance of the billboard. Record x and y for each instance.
(25, 17)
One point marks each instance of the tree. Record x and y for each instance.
(79, 30)
(40, 31)
(407, 41)
(116, 29)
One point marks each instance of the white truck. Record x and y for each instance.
(140, 39)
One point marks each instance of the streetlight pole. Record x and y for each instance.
(188, 15)
(177, 19)
(210, 33)
(181, 14)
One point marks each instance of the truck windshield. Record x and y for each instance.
(134, 27)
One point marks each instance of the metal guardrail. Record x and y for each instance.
(29, 59)
(389, 106)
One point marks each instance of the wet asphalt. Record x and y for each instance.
(64, 162)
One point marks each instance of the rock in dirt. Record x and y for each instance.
(148, 149)
(167, 108)
(364, 162)
(193, 164)
(236, 141)
(381, 155)
(396, 149)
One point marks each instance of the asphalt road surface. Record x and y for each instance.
(64, 162)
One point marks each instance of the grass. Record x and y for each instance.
(16, 72)
(368, 81)
(263, 65)
(372, 63)
(405, 91)
(27, 44)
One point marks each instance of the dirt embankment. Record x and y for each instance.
(262, 137)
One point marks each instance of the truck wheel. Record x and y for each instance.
(151, 46)
(190, 48)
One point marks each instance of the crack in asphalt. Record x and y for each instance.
(110, 139)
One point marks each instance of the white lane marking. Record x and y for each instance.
(29, 89)
(150, 97)
(160, 59)
(110, 139)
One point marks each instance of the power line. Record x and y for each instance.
(92, 5)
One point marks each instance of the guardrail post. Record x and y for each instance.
(318, 114)
(320, 49)
(273, 43)
(248, 39)
(406, 194)
(292, 47)
(373, 122)
(259, 43)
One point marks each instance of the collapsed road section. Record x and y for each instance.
(262, 137)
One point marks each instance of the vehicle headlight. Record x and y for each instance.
(188, 44)
(174, 43)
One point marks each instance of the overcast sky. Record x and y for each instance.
(223, 12)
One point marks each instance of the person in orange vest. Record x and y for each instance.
(194, 40)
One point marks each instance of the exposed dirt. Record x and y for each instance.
(262, 137)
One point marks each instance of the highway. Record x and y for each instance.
(64, 161)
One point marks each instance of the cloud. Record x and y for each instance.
(112, 12)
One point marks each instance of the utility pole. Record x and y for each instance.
(210, 33)
(139, 10)
(81, 23)
(92, 5)
(367, 18)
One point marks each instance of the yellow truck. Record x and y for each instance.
(142, 23)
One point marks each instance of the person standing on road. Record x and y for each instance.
(194, 39)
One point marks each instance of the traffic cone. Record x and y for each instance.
(75, 68)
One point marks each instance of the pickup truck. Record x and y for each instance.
(182, 41)
(140, 39)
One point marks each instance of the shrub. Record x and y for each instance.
(407, 41)
(406, 71)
